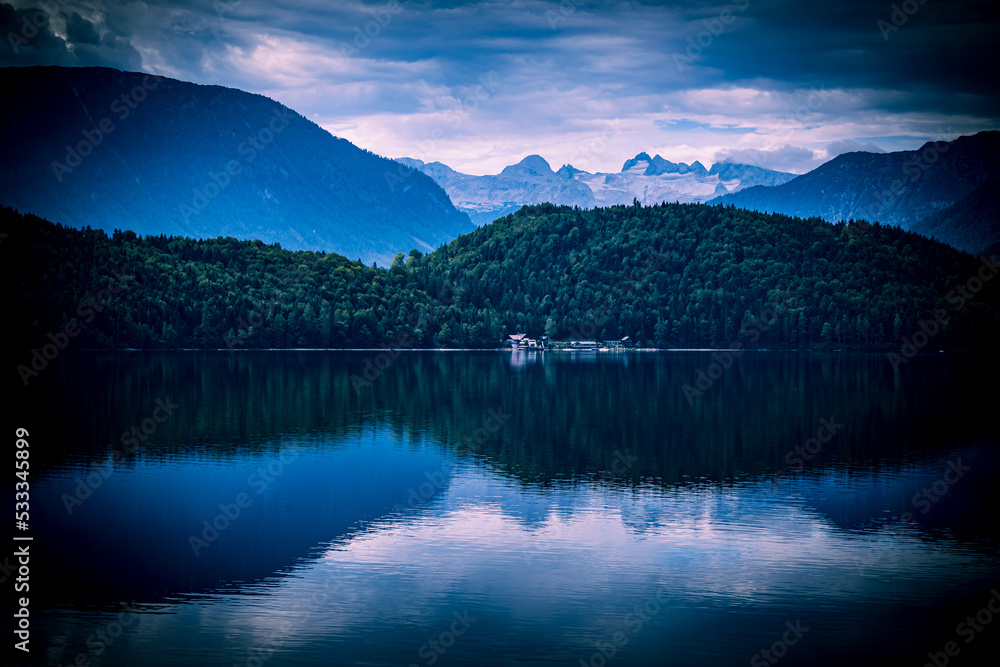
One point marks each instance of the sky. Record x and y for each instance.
(480, 85)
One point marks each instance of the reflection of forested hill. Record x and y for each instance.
(566, 419)
(616, 420)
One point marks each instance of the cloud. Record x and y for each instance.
(851, 146)
(686, 124)
(582, 82)
(81, 31)
(43, 36)
(786, 158)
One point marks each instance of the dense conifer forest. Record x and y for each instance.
(670, 276)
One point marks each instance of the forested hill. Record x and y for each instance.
(693, 275)
(673, 275)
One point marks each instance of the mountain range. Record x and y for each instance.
(947, 190)
(901, 188)
(972, 224)
(97, 147)
(650, 180)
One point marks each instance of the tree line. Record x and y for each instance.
(669, 276)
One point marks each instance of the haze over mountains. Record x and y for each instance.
(650, 180)
(97, 147)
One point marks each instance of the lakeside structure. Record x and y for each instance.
(521, 341)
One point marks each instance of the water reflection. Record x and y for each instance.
(556, 500)
(556, 571)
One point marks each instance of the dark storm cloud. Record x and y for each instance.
(44, 34)
(578, 80)
(81, 31)
(940, 52)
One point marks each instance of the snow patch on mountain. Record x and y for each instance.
(650, 180)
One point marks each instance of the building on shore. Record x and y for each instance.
(620, 344)
(522, 342)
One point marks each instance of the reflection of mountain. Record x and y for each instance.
(880, 498)
(850, 501)
(557, 566)
(597, 477)
(158, 529)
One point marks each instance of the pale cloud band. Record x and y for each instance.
(479, 85)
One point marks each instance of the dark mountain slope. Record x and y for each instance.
(893, 188)
(107, 149)
(972, 224)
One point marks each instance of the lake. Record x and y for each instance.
(498, 508)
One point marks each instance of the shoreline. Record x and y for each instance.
(399, 350)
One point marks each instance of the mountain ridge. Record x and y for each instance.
(899, 188)
(650, 180)
(108, 149)
(971, 224)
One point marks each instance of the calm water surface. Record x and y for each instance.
(464, 508)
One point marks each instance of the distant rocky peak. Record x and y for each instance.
(658, 165)
(533, 165)
(568, 171)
